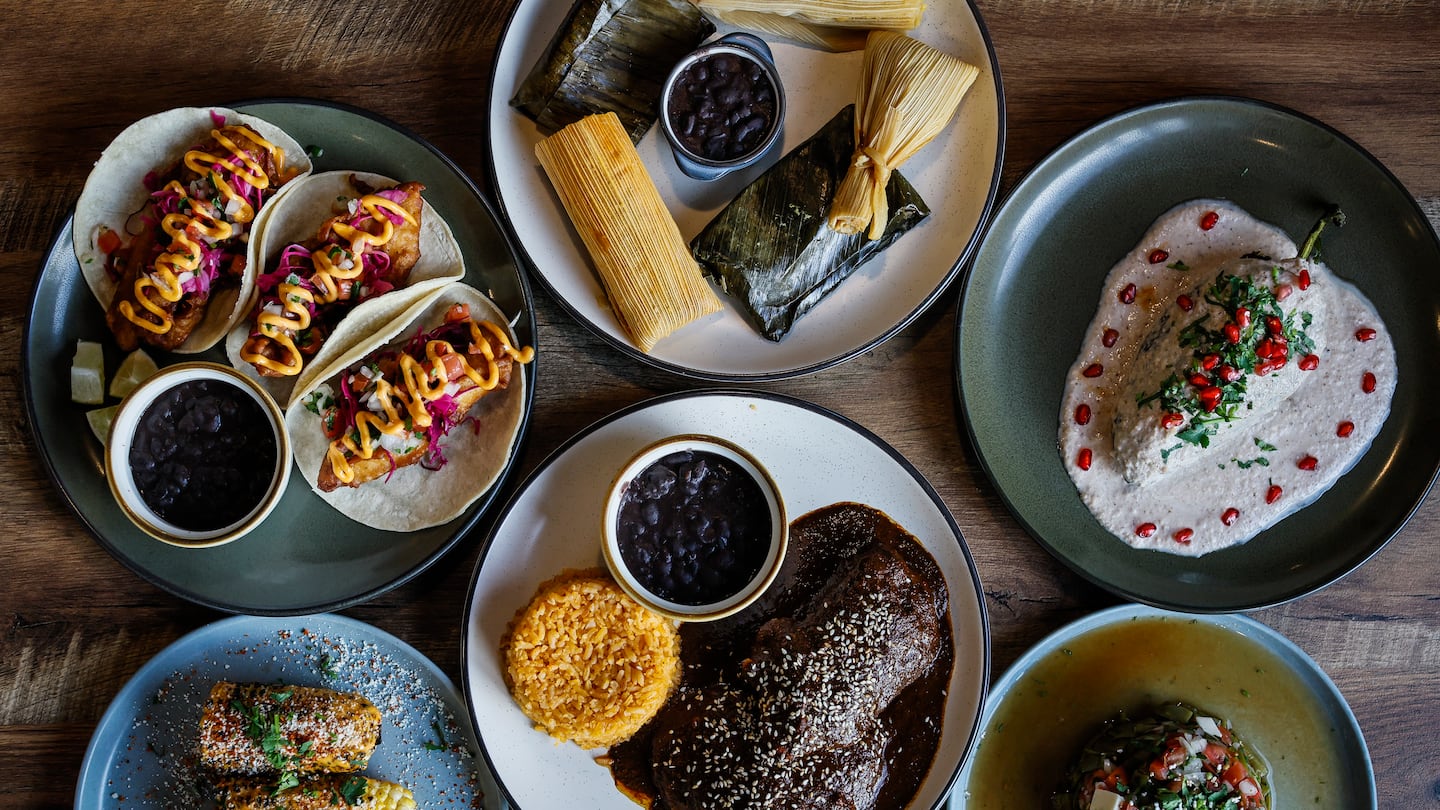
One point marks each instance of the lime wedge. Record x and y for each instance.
(134, 369)
(100, 420)
(87, 373)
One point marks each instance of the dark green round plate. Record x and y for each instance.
(306, 557)
(1036, 280)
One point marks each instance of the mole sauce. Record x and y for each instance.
(821, 544)
(203, 455)
(722, 107)
(694, 528)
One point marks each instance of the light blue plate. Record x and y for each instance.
(1274, 695)
(142, 754)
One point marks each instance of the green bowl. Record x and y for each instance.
(1036, 280)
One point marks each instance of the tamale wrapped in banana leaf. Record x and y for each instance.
(318, 792)
(611, 56)
(255, 728)
(771, 248)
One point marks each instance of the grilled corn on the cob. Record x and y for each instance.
(252, 728)
(325, 791)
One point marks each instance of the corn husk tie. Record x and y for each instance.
(908, 93)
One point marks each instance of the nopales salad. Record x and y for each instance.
(1175, 757)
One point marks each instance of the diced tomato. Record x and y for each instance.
(1234, 773)
(331, 420)
(1215, 753)
(454, 366)
(1174, 751)
(1158, 768)
(108, 242)
(458, 312)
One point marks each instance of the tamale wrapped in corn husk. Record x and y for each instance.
(908, 93)
(824, 37)
(611, 56)
(653, 283)
(253, 728)
(325, 791)
(771, 248)
(788, 17)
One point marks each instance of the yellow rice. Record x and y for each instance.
(587, 663)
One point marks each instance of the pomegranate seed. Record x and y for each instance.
(1229, 373)
(1183, 536)
(1082, 414)
(1084, 459)
(1304, 280)
(1210, 398)
(1367, 383)
(1210, 361)
(1208, 221)
(1283, 291)
(1269, 365)
(1365, 335)
(1185, 302)
(1199, 380)
(1093, 370)
(1109, 337)
(1344, 429)
(1145, 529)
(1265, 348)
(1172, 420)
(1273, 493)
(1309, 362)
(1229, 516)
(1242, 317)
(1232, 333)
(1274, 325)
(1157, 255)
(1307, 463)
(1127, 295)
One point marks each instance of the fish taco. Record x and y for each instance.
(341, 245)
(417, 419)
(163, 225)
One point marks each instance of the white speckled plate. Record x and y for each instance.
(816, 457)
(958, 175)
(142, 752)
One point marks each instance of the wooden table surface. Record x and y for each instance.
(76, 624)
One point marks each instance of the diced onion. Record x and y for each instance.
(1208, 725)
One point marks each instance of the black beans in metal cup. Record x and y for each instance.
(203, 455)
(722, 107)
(693, 527)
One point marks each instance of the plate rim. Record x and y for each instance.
(1031, 175)
(1252, 627)
(953, 277)
(240, 623)
(484, 505)
(786, 399)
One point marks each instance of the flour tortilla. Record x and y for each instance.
(115, 192)
(296, 218)
(413, 497)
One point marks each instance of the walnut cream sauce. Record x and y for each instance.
(199, 221)
(1251, 445)
(334, 263)
(441, 372)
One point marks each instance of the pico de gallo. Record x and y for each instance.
(1176, 757)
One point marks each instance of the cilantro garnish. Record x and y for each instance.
(443, 745)
(352, 790)
(1211, 388)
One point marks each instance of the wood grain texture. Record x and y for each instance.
(75, 624)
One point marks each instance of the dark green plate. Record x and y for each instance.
(1037, 277)
(306, 557)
